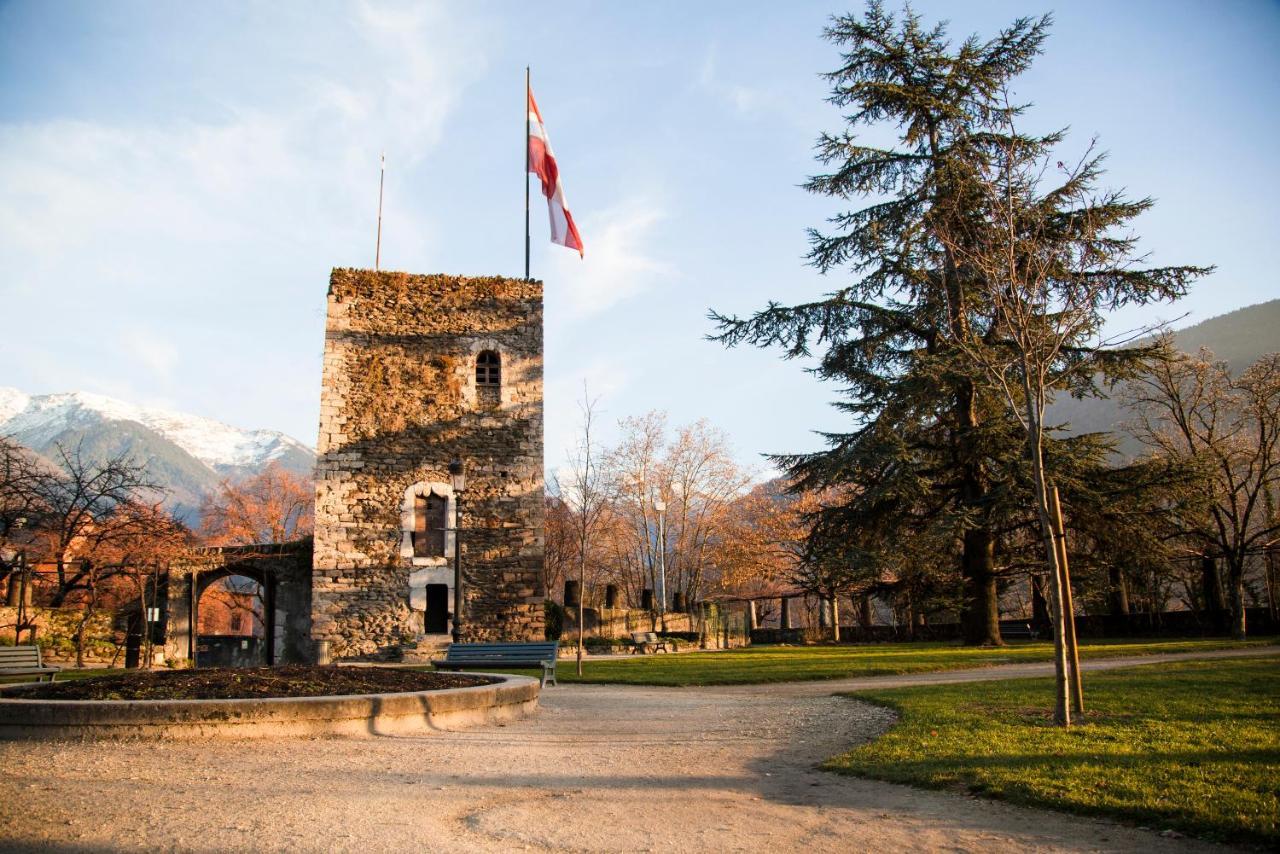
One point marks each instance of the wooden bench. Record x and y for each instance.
(1017, 631)
(25, 661)
(513, 656)
(645, 642)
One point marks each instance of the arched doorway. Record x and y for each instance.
(233, 619)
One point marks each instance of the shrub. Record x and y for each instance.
(554, 620)
(596, 644)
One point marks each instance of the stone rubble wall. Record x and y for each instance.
(283, 567)
(398, 402)
(56, 634)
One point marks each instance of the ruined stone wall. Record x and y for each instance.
(398, 402)
(284, 567)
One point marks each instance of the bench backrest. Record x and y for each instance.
(515, 652)
(20, 656)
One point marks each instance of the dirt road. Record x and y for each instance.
(598, 769)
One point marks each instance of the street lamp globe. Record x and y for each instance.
(458, 474)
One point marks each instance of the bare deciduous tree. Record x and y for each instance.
(273, 506)
(1049, 259)
(698, 481)
(80, 518)
(1192, 408)
(586, 496)
(560, 544)
(146, 539)
(23, 479)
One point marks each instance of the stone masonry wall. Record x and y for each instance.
(398, 402)
(285, 568)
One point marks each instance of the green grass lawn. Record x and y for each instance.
(761, 664)
(1188, 746)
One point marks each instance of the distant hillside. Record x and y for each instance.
(1240, 338)
(186, 454)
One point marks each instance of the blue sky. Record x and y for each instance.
(177, 179)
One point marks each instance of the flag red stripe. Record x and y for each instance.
(542, 162)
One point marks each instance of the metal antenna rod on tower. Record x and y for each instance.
(382, 177)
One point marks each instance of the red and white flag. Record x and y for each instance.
(543, 164)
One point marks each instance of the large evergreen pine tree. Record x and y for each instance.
(930, 441)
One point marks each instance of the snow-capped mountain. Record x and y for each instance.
(39, 419)
(187, 454)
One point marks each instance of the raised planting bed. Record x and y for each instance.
(230, 683)
(263, 702)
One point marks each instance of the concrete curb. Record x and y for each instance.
(413, 713)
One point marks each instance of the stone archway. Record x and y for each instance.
(232, 617)
(282, 571)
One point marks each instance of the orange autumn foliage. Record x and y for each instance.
(273, 506)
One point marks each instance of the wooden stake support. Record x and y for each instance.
(1068, 605)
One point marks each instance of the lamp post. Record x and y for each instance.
(458, 475)
(661, 507)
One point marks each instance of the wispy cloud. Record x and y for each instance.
(155, 352)
(621, 261)
(146, 218)
(742, 98)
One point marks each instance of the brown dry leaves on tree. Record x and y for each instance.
(561, 548)
(762, 544)
(274, 506)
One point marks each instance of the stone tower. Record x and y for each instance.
(418, 371)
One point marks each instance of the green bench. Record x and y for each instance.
(25, 661)
(506, 656)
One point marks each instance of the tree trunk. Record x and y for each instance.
(1211, 586)
(835, 618)
(1272, 585)
(80, 640)
(1235, 573)
(1034, 410)
(864, 613)
(980, 612)
(1039, 603)
(1119, 596)
(980, 617)
(784, 614)
(582, 581)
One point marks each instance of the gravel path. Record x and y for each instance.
(600, 768)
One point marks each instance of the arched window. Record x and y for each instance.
(489, 378)
(426, 524)
(488, 369)
(429, 515)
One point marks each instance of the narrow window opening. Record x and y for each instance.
(489, 377)
(488, 368)
(429, 518)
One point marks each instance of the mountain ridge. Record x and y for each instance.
(188, 455)
(1239, 338)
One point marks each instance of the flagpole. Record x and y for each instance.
(526, 172)
(382, 177)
